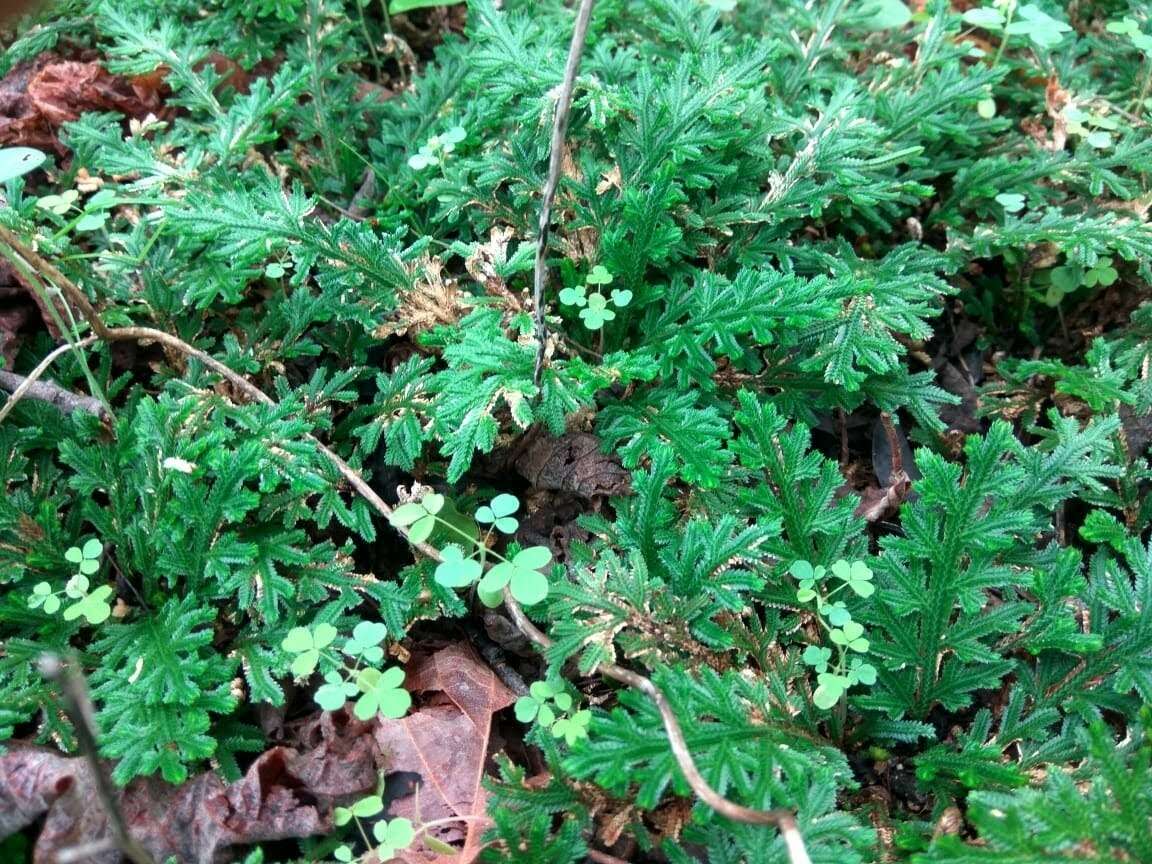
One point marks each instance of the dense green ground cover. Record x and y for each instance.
(851, 295)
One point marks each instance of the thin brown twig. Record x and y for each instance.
(555, 162)
(784, 820)
(79, 709)
(20, 386)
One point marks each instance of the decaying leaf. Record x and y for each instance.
(38, 97)
(572, 463)
(446, 743)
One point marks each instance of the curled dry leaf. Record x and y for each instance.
(571, 463)
(194, 823)
(38, 97)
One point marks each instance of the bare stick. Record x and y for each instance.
(20, 386)
(79, 709)
(784, 820)
(555, 161)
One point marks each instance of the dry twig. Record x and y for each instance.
(21, 386)
(555, 161)
(79, 709)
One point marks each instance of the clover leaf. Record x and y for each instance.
(419, 517)
(597, 312)
(86, 559)
(573, 728)
(456, 571)
(76, 587)
(307, 645)
(499, 513)
(365, 641)
(829, 690)
(95, 607)
(382, 694)
(1033, 22)
(393, 836)
(1012, 202)
(599, 275)
(857, 576)
(522, 575)
(621, 297)
(1102, 274)
(576, 296)
(334, 692)
(860, 672)
(44, 596)
(851, 636)
(817, 657)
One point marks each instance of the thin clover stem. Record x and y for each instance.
(364, 836)
(783, 820)
(483, 548)
(1009, 15)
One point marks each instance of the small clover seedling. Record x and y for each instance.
(462, 564)
(551, 706)
(419, 517)
(392, 835)
(307, 644)
(834, 678)
(594, 309)
(522, 576)
(92, 606)
(353, 671)
(499, 514)
(437, 148)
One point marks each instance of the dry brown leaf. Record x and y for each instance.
(38, 97)
(195, 822)
(446, 743)
(572, 463)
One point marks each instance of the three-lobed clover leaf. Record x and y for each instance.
(365, 808)
(1012, 202)
(393, 835)
(522, 576)
(456, 571)
(621, 297)
(857, 576)
(851, 635)
(817, 657)
(535, 704)
(573, 728)
(1102, 274)
(599, 275)
(596, 313)
(382, 694)
(95, 607)
(334, 692)
(365, 641)
(419, 517)
(860, 672)
(499, 513)
(86, 558)
(830, 687)
(574, 296)
(44, 596)
(307, 644)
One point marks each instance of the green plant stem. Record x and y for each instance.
(1004, 39)
(313, 42)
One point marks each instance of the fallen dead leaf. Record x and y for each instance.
(195, 823)
(446, 743)
(39, 96)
